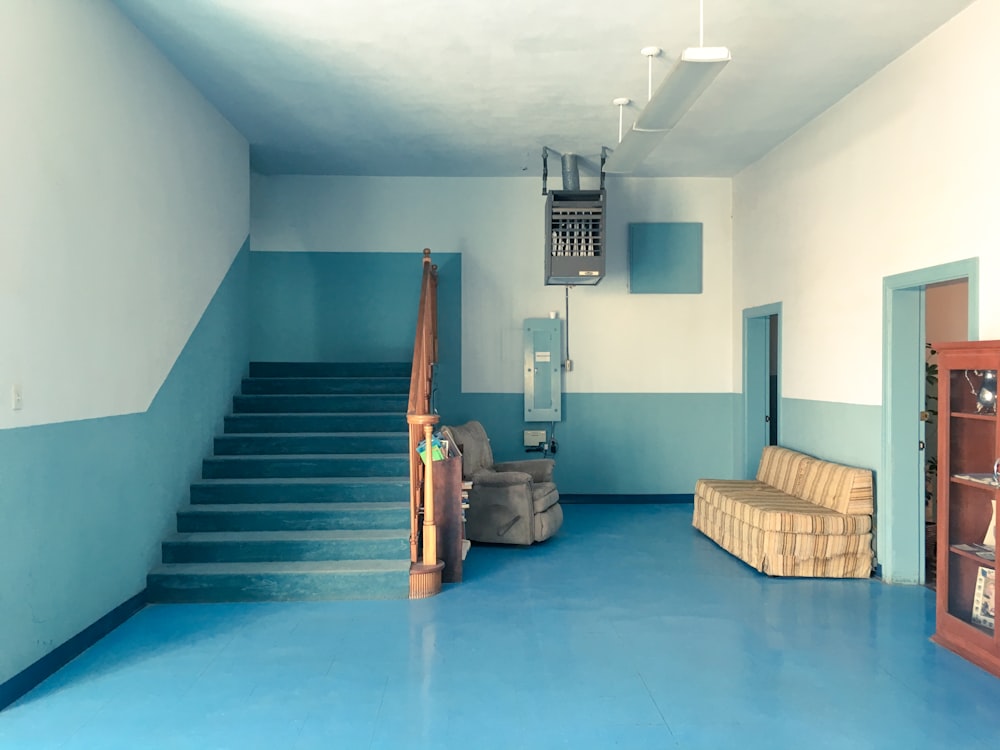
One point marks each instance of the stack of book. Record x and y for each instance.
(466, 486)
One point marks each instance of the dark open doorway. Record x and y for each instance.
(761, 381)
(946, 318)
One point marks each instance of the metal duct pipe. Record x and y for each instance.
(570, 172)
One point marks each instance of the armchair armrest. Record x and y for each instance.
(488, 478)
(540, 469)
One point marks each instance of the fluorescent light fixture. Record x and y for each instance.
(686, 81)
(632, 151)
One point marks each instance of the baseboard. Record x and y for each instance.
(624, 499)
(52, 662)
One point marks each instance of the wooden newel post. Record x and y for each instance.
(430, 527)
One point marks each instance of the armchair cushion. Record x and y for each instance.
(471, 440)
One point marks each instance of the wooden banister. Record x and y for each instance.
(425, 569)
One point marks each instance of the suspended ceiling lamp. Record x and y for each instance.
(696, 68)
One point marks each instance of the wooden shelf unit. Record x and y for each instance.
(968, 446)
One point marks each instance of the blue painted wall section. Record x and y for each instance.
(846, 433)
(314, 307)
(665, 258)
(618, 443)
(86, 504)
(334, 307)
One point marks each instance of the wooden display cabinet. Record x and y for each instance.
(968, 451)
(448, 515)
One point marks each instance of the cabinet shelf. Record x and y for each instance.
(970, 415)
(971, 555)
(989, 487)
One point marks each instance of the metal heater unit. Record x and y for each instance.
(574, 237)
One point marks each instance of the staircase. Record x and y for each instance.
(306, 496)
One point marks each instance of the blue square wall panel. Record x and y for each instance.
(665, 258)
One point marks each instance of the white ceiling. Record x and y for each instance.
(478, 87)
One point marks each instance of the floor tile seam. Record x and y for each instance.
(378, 714)
(83, 724)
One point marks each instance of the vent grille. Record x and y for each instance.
(577, 230)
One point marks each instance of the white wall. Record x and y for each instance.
(900, 175)
(620, 343)
(124, 199)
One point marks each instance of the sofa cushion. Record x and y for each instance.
(772, 510)
(844, 489)
(783, 468)
(703, 486)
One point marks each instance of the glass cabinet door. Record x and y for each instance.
(971, 482)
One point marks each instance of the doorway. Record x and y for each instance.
(901, 531)
(946, 318)
(761, 382)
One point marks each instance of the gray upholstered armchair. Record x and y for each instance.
(514, 502)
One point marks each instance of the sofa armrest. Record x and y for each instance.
(540, 469)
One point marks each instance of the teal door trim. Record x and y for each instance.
(756, 333)
(899, 507)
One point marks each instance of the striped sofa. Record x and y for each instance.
(800, 517)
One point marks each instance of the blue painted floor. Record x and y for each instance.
(627, 630)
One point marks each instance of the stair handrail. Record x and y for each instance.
(421, 420)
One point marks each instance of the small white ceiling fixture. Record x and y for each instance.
(687, 80)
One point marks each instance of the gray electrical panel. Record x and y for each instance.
(574, 237)
(542, 370)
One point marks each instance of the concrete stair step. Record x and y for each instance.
(307, 465)
(323, 442)
(301, 490)
(329, 369)
(293, 516)
(320, 403)
(286, 423)
(263, 546)
(320, 385)
(279, 581)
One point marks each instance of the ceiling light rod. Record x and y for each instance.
(620, 102)
(701, 23)
(650, 53)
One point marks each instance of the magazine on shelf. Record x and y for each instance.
(984, 605)
(985, 551)
(986, 478)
